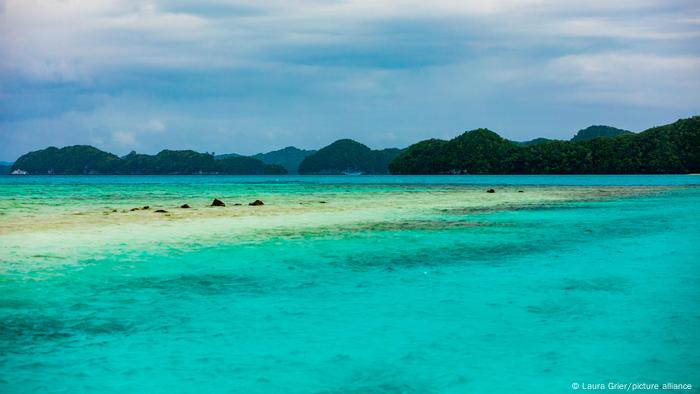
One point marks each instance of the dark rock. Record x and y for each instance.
(146, 207)
(160, 211)
(184, 206)
(521, 191)
(256, 203)
(237, 204)
(134, 209)
(490, 191)
(217, 203)
(322, 202)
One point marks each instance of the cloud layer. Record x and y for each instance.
(247, 76)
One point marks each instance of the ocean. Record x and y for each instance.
(348, 284)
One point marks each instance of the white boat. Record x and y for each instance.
(19, 172)
(352, 172)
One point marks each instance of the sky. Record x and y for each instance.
(256, 75)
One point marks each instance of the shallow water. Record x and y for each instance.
(348, 284)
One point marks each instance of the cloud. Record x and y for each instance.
(630, 78)
(75, 40)
(249, 76)
(663, 27)
(155, 125)
(130, 139)
(124, 138)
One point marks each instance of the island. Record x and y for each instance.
(670, 149)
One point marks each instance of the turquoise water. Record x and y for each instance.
(348, 284)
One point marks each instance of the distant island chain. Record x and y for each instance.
(668, 149)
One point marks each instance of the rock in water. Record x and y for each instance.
(256, 203)
(490, 191)
(146, 207)
(184, 206)
(217, 203)
(134, 209)
(160, 211)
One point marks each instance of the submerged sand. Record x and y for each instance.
(77, 227)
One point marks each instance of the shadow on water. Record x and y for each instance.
(605, 284)
(379, 379)
(458, 254)
(200, 284)
(28, 330)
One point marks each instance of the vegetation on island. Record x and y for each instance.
(71, 160)
(348, 156)
(243, 165)
(83, 159)
(289, 158)
(534, 141)
(673, 148)
(598, 131)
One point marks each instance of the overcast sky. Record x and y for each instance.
(256, 75)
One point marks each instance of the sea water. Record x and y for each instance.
(348, 284)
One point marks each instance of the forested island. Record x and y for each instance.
(289, 158)
(669, 149)
(348, 156)
(88, 160)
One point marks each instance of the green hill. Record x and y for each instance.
(289, 158)
(673, 148)
(225, 155)
(171, 162)
(488, 153)
(598, 131)
(242, 165)
(82, 159)
(348, 156)
(535, 141)
(71, 160)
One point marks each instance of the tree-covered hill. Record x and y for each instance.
(242, 165)
(533, 141)
(673, 148)
(598, 131)
(82, 159)
(225, 155)
(289, 158)
(77, 159)
(348, 156)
